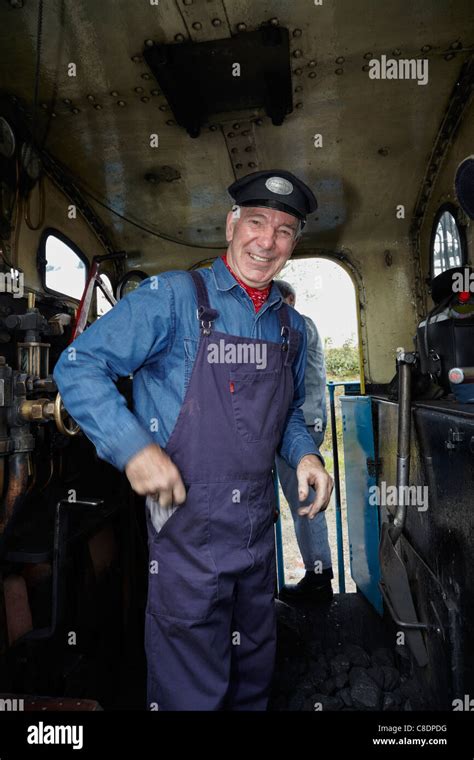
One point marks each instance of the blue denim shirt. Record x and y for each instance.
(153, 333)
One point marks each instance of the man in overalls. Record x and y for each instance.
(218, 381)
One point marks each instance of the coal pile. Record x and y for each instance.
(311, 676)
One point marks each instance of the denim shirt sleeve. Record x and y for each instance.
(131, 334)
(296, 441)
(314, 407)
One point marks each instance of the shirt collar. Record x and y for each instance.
(225, 281)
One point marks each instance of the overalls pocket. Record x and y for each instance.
(182, 574)
(254, 398)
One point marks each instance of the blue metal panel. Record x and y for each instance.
(362, 517)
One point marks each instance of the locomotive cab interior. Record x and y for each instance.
(121, 126)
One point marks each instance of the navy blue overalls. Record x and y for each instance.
(210, 629)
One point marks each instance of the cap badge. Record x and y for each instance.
(279, 185)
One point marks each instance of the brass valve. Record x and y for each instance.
(43, 410)
(61, 418)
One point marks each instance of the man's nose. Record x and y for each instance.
(266, 238)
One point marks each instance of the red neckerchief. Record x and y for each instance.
(258, 296)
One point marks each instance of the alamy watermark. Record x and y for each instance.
(392, 496)
(399, 68)
(12, 282)
(240, 353)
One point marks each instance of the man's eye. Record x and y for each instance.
(285, 233)
(254, 221)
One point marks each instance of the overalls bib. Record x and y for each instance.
(210, 629)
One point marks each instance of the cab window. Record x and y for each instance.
(63, 267)
(447, 243)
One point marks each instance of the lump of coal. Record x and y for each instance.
(357, 655)
(340, 664)
(364, 691)
(391, 678)
(382, 657)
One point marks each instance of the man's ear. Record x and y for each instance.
(229, 227)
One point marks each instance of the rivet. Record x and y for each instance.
(197, 25)
(171, 122)
(299, 105)
(245, 132)
(179, 37)
(259, 122)
(163, 108)
(249, 149)
(298, 88)
(16, 3)
(138, 89)
(75, 110)
(98, 107)
(213, 127)
(339, 71)
(426, 48)
(234, 150)
(297, 53)
(114, 94)
(297, 32)
(340, 59)
(449, 56)
(365, 68)
(252, 165)
(90, 98)
(146, 76)
(53, 114)
(236, 125)
(120, 103)
(230, 134)
(217, 229)
(274, 21)
(312, 64)
(298, 72)
(238, 166)
(396, 52)
(241, 27)
(154, 92)
(145, 99)
(216, 22)
(383, 151)
(44, 105)
(456, 45)
(368, 55)
(67, 101)
(136, 58)
(149, 43)
(150, 178)
(312, 74)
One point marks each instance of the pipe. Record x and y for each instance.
(405, 361)
(18, 472)
(337, 487)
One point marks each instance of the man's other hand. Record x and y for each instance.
(151, 472)
(311, 472)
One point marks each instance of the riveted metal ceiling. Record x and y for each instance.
(377, 135)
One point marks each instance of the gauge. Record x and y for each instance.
(7, 139)
(130, 282)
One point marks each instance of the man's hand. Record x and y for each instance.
(311, 472)
(152, 472)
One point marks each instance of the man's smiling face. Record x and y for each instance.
(260, 243)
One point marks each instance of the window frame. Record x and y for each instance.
(41, 259)
(454, 211)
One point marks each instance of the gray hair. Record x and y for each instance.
(236, 215)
